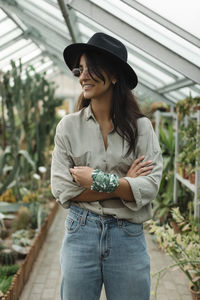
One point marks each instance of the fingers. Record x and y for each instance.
(73, 171)
(79, 167)
(136, 162)
(144, 170)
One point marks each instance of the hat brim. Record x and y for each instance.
(73, 52)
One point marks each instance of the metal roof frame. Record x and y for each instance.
(179, 73)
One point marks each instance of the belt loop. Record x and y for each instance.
(120, 222)
(84, 216)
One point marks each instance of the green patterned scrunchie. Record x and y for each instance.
(104, 182)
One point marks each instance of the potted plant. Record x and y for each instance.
(183, 247)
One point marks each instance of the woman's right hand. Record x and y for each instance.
(140, 168)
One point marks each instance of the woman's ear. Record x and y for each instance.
(113, 80)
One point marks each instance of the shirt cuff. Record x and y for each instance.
(67, 195)
(136, 204)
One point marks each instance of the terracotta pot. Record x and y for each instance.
(195, 295)
(192, 178)
(185, 174)
(175, 226)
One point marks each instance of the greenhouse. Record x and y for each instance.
(40, 94)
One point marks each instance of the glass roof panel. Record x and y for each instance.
(162, 77)
(54, 21)
(87, 32)
(185, 14)
(2, 14)
(18, 54)
(50, 9)
(6, 26)
(152, 29)
(19, 45)
(45, 17)
(187, 91)
(30, 56)
(10, 35)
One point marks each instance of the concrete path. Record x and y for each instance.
(44, 280)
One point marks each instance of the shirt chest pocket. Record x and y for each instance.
(123, 165)
(82, 160)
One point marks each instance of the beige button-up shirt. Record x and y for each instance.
(79, 142)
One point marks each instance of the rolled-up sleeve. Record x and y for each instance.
(145, 188)
(62, 185)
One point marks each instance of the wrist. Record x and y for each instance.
(104, 182)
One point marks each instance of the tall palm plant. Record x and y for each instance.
(164, 200)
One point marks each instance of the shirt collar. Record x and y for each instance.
(89, 113)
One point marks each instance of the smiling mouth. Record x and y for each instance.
(87, 86)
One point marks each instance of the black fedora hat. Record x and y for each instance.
(107, 45)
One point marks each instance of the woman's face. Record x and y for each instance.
(93, 89)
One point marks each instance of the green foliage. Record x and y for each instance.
(22, 237)
(33, 208)
(4, 233)
(7, 257)
(182, 244)
(28, 123)
(23, 218)
(5, 283)
(6, 276)
(164, 199)
(2, 247)
(187, 106)
(7, 271)
(189, 151)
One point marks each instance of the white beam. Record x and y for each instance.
(11, 42)
(70, 21)
(179, 84)
(137, 38)
(155, 95)
(162, 21)
(35, 22)
(134, 53)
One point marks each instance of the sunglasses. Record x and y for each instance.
(78, 71)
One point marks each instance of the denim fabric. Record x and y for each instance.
(100, 250)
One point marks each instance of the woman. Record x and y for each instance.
(106, 167)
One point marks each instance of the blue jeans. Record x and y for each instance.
(100, 250)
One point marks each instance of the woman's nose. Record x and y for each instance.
(84, 73)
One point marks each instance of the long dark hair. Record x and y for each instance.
(124, 110)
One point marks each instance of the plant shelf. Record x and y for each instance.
(186, 182)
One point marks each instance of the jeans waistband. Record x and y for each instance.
(84, 214)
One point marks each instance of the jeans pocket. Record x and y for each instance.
(132, 229)
(72, 224)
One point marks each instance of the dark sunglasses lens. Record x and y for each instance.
(76, 72)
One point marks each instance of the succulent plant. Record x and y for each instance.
(4, 233)
(23, 218)
(7, 257)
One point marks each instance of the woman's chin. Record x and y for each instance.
(87, 95)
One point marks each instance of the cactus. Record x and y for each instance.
(4, 233)
(15, 169)
(23, 218)
(6, 271)
(5, 284)
(30, 105)
(7, 257)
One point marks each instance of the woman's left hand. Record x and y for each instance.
(82, 175)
